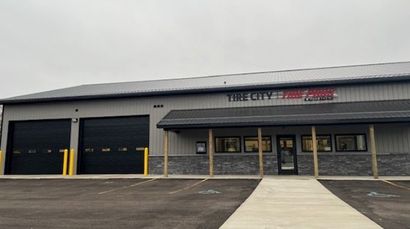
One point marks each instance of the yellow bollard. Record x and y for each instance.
(65, 162)
(71, 168)
(1, 160)
(146, 161)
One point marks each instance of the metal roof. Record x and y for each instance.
(313, 114)
(245, 81)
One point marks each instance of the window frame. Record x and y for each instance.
(234, 152)
(353, 134)
(308, 151)
(266, 136)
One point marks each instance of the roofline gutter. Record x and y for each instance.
(399, 78)
(262, 124)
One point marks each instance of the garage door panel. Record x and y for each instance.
(37, 164)
(37, 147)
(112, 162)
(112, 145)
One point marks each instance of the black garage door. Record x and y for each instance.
(113, 145)
(37, 147)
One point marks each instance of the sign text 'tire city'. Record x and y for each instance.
(312, 94)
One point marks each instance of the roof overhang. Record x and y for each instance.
(289, 115)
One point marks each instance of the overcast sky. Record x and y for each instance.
(48, 44)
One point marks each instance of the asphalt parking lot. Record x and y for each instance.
(386, 203)
(120, 203)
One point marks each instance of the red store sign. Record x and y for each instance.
(310, 94)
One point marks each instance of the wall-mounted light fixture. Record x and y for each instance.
(74, 120)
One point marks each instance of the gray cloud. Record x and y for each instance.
(47, 44)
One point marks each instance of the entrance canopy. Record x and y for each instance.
(312, 114)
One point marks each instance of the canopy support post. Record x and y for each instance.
(373, 151)
(260, 152)
(211, 152)
(315, 158)
(165, 147)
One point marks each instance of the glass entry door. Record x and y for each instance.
(287, 161)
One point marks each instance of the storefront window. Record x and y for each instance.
(251, 144)
(324, 143)
(227, 144)
(351, 142)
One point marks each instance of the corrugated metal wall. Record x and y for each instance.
(391, 138)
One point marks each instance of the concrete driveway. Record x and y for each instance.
(295, 202)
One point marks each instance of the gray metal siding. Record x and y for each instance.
(182, 144)
(393, 138)
(74, 140)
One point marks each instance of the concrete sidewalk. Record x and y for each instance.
(128, 176)
(172, 176)
(295, 203)
(75, 177)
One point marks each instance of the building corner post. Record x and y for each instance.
(315, 157)
(260, 151)
(165, 148)
(211, 152)
(373, 152)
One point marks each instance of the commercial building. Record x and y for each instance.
(253, 123)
